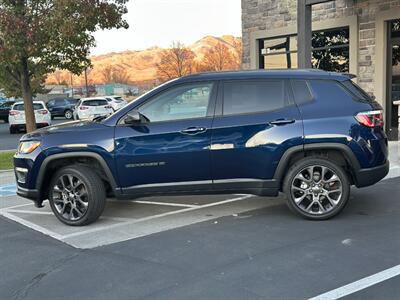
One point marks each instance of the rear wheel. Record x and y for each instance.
(77, 195)
(316, 188)
(13, 130)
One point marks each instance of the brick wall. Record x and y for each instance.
(262, 14)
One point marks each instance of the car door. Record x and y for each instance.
(256, 121)
(171, 150)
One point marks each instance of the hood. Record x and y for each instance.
(75, 126)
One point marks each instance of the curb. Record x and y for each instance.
(6, 171)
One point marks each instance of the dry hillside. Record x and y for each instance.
(139, 65)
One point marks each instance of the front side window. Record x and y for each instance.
(182, 102)
(254, 96)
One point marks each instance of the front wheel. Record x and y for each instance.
(316, 188)
(77, 195)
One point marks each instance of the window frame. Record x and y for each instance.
(210, 109)
(221, 98)
(307, 81)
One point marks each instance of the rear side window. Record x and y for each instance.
(254, 96)
(301, 92)
(358, 92)
(97, 102)
(20, 107)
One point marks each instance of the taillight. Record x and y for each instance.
(83, 107)
(370, 119)
(42, 111)
(13, 112)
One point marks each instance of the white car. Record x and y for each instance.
(116, 102)
(16, 116)
(90, 108)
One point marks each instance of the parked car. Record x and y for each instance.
(5, 108)
(116, 102)
(307, 133)
(90, 108)
(16, 116)
(62, 107)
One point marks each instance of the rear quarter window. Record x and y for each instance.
(357, 92)
(329, 92)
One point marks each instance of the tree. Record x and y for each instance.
(237, 53)
(112, 74)
(39, 36)
(107, 74)
(218, 58)
(175, 62)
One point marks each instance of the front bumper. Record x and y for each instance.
(27, 193)
(370, 176)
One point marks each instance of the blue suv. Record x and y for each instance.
(307, 133)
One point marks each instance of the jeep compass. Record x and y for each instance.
(307, 133)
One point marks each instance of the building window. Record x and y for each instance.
(330, 51)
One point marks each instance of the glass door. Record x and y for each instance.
(392, 116)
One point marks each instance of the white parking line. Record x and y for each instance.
(359, 284)
(33, 212)
(16, 206)
(164, 203)
(31, 225)
(155, 217)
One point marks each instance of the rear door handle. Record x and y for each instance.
(282, 122)
(194, 130)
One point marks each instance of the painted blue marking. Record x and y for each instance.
(8, 190)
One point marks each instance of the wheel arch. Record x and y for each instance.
(295, 153)
(52, 162)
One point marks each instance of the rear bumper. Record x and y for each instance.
(370, 176)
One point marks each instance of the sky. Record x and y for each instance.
(161, 22)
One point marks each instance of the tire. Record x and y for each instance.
(69, 202)
(13, 130)
(68, 114)
(313, 197)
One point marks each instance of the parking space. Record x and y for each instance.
(125, 220)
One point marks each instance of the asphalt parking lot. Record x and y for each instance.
(204, 247)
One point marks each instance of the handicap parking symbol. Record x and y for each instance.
(8, 190)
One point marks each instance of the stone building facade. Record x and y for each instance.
(365, 47)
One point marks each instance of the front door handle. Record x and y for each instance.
(282, 122)
(194, 130)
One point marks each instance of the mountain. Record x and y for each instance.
(138, 65)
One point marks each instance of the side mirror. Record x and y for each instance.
(133, 117)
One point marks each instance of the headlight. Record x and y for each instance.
(28, 147)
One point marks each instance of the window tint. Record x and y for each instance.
(301, 92)
(183, 102)
(20, 107)
(254, 96)
(60, 102)
(51, 103)
(95, 102)
(330, 92)
(357, 91)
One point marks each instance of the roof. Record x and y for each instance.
(35, 101)
(284, 73)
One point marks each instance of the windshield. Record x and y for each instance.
(21, 107)
(96, 102)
